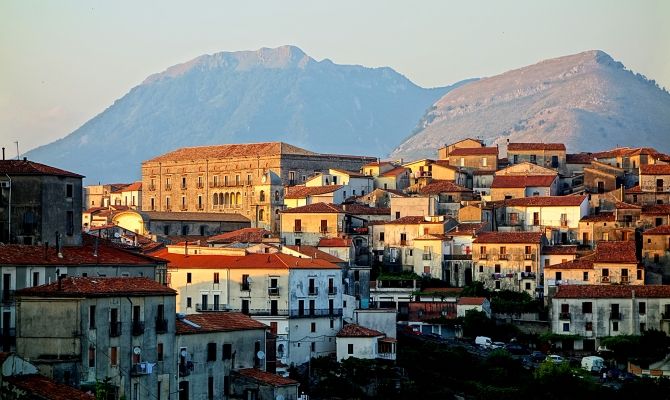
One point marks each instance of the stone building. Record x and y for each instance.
(474, 159)
(97, 328)
(656, 248)
(549, 155)
(39, 203)
(468, 143)
(248, 179)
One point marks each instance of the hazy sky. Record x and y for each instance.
(63, 62)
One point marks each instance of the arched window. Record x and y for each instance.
(261, 214)
(227, 199)
(215, 199)
(238, 198)
(280, 351)
(220, 198)
(276, 195)
(261, 196)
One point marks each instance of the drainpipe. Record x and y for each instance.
(9, 218)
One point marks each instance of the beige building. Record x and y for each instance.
(475, 158)
(514, 186)
(550, 155)
(468, 143)
(656, 247)
(248, 179)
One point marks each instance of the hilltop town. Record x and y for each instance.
(252, 271)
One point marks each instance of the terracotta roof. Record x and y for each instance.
(656, 209)
(313, 252)
(602, 217)
(431, 236)
(334, 242)
(42, 388)
(17, 254)
(579, 158)
(353, 330)
(471, 301)
(195, 216)
(522, 181)
(654, 169)
(547, 201)
(581, 263)
(559, 250)
(25, 167)
(616, 251)
(474, 151)
(465, 229)
(244, 235)
(300, 192)
(99, 287)
(620, 205)
(634, 189)
(442, 186)
(352, 174)
(217, 322)
(535, 146)
(509, 237)
(249, 261)
(231, 151)
(428, 310)
(412, 220)
(355, 209)
(133, 187)
(395, 172)
(266, 377)
(659, 230)
(377, 164)
(612, 291)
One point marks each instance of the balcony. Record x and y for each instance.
(139, 369)
(625, 279)
(267, 312)
(183, 187)
(332, 291)
(615, 315)
(184, 208)
(604, 279)
(200, 207)
(386, 356)
(564, 316)
(245, 287)
(115, 329)
(529, 257)
(138, 328)
(426, 257)
(316, 312)
(313, 291)
(665, 315)
(297, 229)
(161, 325)
(210, 307)
(168, 187)
(200, 186)
(503, 256)
(7, 296)
(273, 291)
(403, 242)
(185, 369)
(152, 188)
(483, 256)
(323, 230)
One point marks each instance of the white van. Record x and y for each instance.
(593, 363)
(483, 341)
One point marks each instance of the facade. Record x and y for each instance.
(655, 178)
(549, 155)
(602, 178)
(447, 196)
(506, 187)
(253, 383)
(121, 328)
(164, 224)
(248, 179)
(360, 342)
(465, 304)
(474, 158)
(443, 152)
(656, 248)
(39, 204)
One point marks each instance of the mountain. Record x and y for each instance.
(587, 101)
(278, 94)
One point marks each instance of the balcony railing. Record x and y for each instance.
(185, 369)
(161, 325)
(503, 256)
(483, 256)
(273, 291)
(564, 316)
(210, 307)
(183, 187)
(168, 187)
(403, 242)
(152, 188)
(115, 329)
(625, 279)
(316, 312)
(138, 328)
(530, 257)
(427, 256)
(139, 369)
(199, 186)
(615, 315)
(297, 229)
(332, 291)
(313, 291)
(7, 296)
(265, 312)
(245, 287)
(386, 356)
(604, 279)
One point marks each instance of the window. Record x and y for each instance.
(159, 352)
(313, 327)
(403, 238)
(188, 277)
(566, 327)
(559, 275)
(350, 348)
(587, 307)
(497, 268)
(332, 323)
(245, 307)
(606, 272)
(484, 162)
(153, 204)
(69, 223)
(527, 285)
(497, 284)
(91, 356)
(297, 225)
(312, 306)
(606, 236)
(91, 317)
(643, 327)
(481, 268)
(211, 351)
(216, 277)
(227, 351)
(245, 282)
(301, 307)
(188, 302)
(210, 387)
(615, 326)
(462, 162)
(639, 274)
(585, 277)
(642, 307)
(69, 189)
(381, 236)
(312, 347)
(529, 269)
(588, 326)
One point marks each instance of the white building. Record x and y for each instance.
(466, 304)
(360, 342)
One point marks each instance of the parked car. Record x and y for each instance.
(516, 348)
(556, 359)
(433, 336)
(593, 363)
(484, 341)
(537, 356)
(497, 345)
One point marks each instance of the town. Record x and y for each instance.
(254, 271)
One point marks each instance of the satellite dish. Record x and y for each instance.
(137, 351)
(279, 397)
(249, 279)
(183, 353)
(260, 354)
(117, 235)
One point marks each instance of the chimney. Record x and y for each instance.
(58, 245)
(46, 250)
(186, 247)
(95, 249)
(3, 154)
(25, 158)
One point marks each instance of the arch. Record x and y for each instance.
(261, 214)
(261, 196)
(280, 350)
(221, 199)
(238, 198)
(227, 199)
(215, 199)
(276, 195)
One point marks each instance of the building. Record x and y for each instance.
(210, 346)
(39, 204)
(549, 155)
(506, 187)
(252, 383)
(465, 304)
(601, 177)
(298, 196)
(118, 328)
(360, 342)
(656, 179)
(594, 312)
(474, 158)
(354, 183)
(165, 224)
(446, 195)
(656, 248)
(604, 227)
(248, 179)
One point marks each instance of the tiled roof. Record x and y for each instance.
(431, 236)
(535, 146)
(267, 377)
(634, 189)
(474, 151)
(217, 322)
(99, 287)
(659, 230)
(133, 187)
(25, 167)
(654, 169)
(42, 388)
(612, 291)
(656, 209)
(559, 250)
(377, 164)
(231, 151)
(471, 301)
(579, 158)
(244, 235)
(620, 205)
(300, 192)
(616, 251)
(581, 263)
(466, 229)
(395, 172)
(353, 330)
(17, 254)
(509, 237)
(522, 181)
(195, 216)
(355, 209)
(428, 310)
(334, 242)
(352, 174)
(249, 261)
(445, 164)
(412, 220)
(442, 186)
(313, 252)
(546, 201)
(602, 217)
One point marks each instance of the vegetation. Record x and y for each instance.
(649, 347)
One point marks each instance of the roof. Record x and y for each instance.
(656, 209)
(634, 189)
(620, 205)
(299, 192)
(601, 217)
(99, 287)
(334, 242)
(474, 151)
(217, 322)
(133, 187)
(509, 237)
(466, 229)
(471, 301)
(195, 216)
(444, 164)
(394, 172)
(18, 254)
(353, 330)
(249, 261)
(244, 235)
(377, 164)
(612, 291)
(31, 168)
(579, 158)
(412, 220)
(442, 186)
(535, 146)
(580, 263)
(231, 151)
(266, 377)
(655, 169)
(559, 250)
(352, 174)
(313, 252)
(659, 230)
(522, 181)
(547, 201)
(41, 387)
(616, 251)
(431, 236)
(355, 209)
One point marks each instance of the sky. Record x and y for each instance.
(63, 62)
